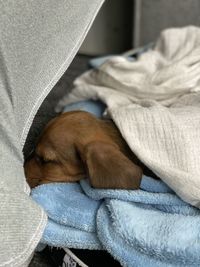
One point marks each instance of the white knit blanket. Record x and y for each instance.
(155, 102)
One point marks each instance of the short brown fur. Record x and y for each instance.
(76, 145)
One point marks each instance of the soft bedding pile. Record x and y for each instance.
(38, 40)
(155, 102)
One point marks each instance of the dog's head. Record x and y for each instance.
(76, 145)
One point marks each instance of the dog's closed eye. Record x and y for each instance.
(42, 160)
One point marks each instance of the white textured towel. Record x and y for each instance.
(155, 102)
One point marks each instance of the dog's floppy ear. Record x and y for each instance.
(109, 168)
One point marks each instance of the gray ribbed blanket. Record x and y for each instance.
(38, 40)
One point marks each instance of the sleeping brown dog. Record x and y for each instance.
(76, 145)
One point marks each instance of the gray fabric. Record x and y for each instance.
(38, 40)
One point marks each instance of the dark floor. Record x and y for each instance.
(44, 114)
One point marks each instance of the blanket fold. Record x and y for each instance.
(66, 204)
(140, 235)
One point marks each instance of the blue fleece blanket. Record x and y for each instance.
(146, 227)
